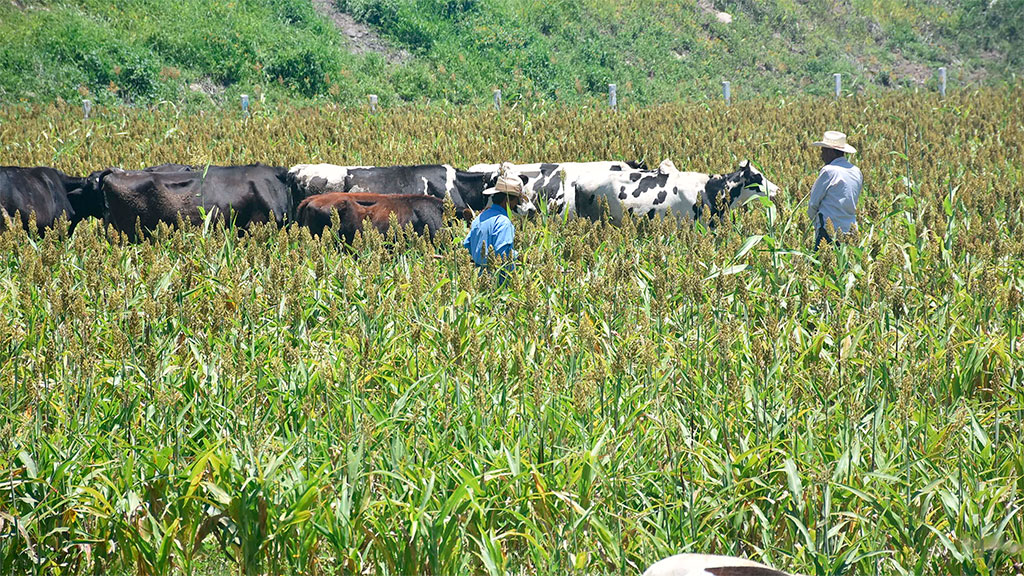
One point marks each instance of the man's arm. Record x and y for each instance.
(818, 195)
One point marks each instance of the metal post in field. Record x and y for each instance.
(839, 84)
(612, 100)
(497, 99)
(942, 81)
(86, 108)
(245, 104)
(727, 92)
(373, 102)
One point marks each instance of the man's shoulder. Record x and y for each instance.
(502, 221)
(835, 168)
(841, 163)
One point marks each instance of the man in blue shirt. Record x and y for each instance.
(492, 230)
(837, 189)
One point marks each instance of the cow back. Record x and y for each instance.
(425, 179)
(170, 167)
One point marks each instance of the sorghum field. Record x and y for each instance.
(204, 403)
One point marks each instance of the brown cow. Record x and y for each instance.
(422, 211)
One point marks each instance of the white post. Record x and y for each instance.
(839, 84)
(497, 99)
(245, 104)
(373, 102)
(942, 81)
(612, 102)
(727, 92)
(86, 108)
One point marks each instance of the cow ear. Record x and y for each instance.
(524, 179)
(745, 165)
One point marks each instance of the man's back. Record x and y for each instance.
(835, 194)
(491, 230)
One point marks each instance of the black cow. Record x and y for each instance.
(43, 191)
(170, 167)
(249, 194)
(88, 199)
(422, 211)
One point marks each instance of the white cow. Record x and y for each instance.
(668, 191)
(545, 180)
(312, 179)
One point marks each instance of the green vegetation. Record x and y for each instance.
(655, 50)
(141, 51)
(274, 404)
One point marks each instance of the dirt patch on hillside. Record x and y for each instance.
(361, 38)
(915, 73)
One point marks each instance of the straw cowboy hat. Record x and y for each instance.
(508, 182)
(836, 141)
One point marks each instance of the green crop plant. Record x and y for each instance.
(204, 402)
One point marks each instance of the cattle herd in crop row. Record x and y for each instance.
(411, 195)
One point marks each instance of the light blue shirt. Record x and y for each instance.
(492, 229)
(835, 194)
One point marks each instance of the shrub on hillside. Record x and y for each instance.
(307, 69)
(106, 61)
(413, 81)
(381, 13)
(224, 58)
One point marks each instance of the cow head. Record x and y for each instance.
(727, 191)
(545, 184)
(471, 185)
(754, 183)
(86, 194)
(526, 206)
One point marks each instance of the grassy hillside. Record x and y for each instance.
(197, 51)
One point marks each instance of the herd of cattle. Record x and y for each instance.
(310, 193)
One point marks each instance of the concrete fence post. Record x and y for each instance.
(838, 78)
(942, 81)
(373, 102)
(245, 104)
(86, 108)
(612, 100)
(727, 92)
(497, 99)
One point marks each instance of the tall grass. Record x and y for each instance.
(273, 403)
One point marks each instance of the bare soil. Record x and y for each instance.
(361, 38)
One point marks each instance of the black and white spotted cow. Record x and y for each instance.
(667, 191)
(313, 179)
(545, 180)
(465, 188)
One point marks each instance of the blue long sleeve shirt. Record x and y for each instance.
(492, 229)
